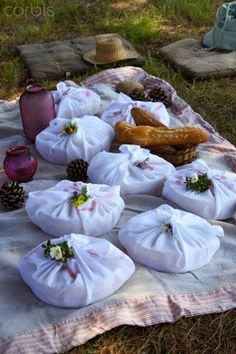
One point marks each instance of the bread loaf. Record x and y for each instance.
(142, 117)
(150, 136)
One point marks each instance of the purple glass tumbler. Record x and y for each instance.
(37, 109)
(19, 164)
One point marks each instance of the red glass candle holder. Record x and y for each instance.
(37, 109)
(19, 164)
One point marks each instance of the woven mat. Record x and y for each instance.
(188, 56)
(30, 326)
(60, 59)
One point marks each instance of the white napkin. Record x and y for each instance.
(53, 212)
(136, 170)
(170, 240)
(92, 136)
(121, 110)
(95, 272)
(75, 101)
(218, 202)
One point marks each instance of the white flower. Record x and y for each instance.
(194, 177)
(55, 252)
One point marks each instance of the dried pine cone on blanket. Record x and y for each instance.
(77, 170)
(12, 195)
(136, 95)
(158, 94)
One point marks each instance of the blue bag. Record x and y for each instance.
(223, 34)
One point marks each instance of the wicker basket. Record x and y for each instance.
(178, 155)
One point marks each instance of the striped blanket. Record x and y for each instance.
(29, 326)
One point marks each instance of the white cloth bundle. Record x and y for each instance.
(107, 94)
(95, 272)
(54, 212)
(121, 110)
(218, 202)
(75, 102)
(92, 136)
(136, 170)
(170, 240)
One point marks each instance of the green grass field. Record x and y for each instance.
(147, 24)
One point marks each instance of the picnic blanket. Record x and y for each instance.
(29, 326)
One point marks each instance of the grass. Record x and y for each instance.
(148, 24)
(199, 335)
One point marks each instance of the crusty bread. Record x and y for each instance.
(142, 117)
(150, 136)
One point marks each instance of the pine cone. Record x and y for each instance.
(136, 95)
(77, 170)
(158, 94)
(12, 195)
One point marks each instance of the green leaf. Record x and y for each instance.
(201, 185)
(66, 251)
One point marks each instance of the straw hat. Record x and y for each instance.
(109, 49)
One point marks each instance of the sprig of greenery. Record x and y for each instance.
(69, 129)
(167, 228)
(80, 198)
(59, 252)
(199, 184)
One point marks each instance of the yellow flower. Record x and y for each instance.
(69, 129)
(79, 201)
